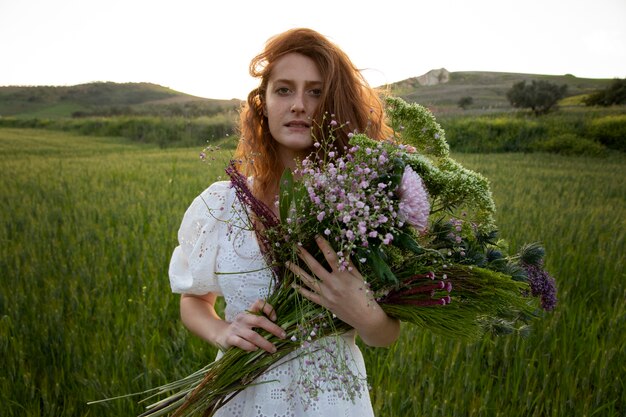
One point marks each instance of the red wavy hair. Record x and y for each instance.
(345, 93)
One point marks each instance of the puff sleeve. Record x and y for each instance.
(192, 267)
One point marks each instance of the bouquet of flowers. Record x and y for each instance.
(418, 226)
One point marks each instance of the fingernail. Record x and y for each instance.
(283, 335)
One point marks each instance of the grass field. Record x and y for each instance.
(88, 226)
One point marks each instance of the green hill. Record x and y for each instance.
(441, 90)
(438, 89)
(105, 99)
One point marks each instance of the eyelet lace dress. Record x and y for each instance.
(219, 253)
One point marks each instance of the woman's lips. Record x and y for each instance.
(298, 124)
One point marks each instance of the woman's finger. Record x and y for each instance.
(317, 268)
(308, 294)
(329, 253)
(241, 343)
(261, 322)
(258, 340)
(264, 307)
(311, 282)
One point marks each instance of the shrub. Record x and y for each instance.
(609, 131)
(539, 96)
(170, 131)
(465, 102)
(501, 134)
(613, 94)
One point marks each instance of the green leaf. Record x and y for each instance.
(406, 241)
(285, 194)
(379, 266)
(301, 197)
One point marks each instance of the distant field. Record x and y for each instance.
(89, 223)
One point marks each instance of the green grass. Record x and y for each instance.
(89, 223)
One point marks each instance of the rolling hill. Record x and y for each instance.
(441, 90)
(105, 98)
(438, 89)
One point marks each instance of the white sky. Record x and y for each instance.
(204, 47)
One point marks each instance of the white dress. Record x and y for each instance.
(214, 242)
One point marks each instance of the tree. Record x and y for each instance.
(539, 96)
(465, 102)
(613, 94)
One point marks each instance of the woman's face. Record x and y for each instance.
(292, 97)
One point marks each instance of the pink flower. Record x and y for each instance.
(414, 206)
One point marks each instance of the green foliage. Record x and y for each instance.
(493, 134)
(186, 109)
(418, 127)
(568, 131)
(609, 131)
(613, 94)
(166, 132)
(86, 310)
(539, 96)
(450, 184)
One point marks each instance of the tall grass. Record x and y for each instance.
(88, 226)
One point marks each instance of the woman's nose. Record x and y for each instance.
(298, 104)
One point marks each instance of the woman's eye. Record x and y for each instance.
(282, 90)
(316, 92)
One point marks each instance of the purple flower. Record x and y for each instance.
(414, 206)
(542, 285)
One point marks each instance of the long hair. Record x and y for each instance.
(345, 94)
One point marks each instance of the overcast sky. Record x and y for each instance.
(204, 47)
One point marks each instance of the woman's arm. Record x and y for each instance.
(199, 316)
(346, 295)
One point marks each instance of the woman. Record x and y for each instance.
(303, 77)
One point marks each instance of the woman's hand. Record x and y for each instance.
(345, 293)
(241, 331)
(199, 316)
